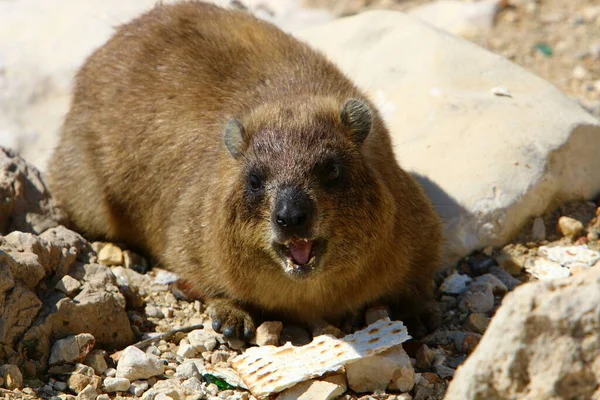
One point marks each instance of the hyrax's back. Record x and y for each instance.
(150, 107)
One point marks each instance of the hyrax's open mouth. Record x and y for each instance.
(300, 256)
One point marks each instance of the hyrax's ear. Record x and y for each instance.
(357, 116)
(234, 138)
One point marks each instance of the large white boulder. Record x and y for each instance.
(492, 143)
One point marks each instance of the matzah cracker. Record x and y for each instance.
(271, 369)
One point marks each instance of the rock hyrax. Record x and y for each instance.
(244, 161)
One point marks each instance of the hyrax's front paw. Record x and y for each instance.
(230, 319)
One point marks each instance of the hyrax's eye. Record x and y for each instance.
(256, 184)
(332, 172)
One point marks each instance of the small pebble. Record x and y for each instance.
(138, 388)
(455, 283)
(374, 314)
(268, 333)
(88, 393)
(538, 230)
(477, 322)
(68, 285)
(154, 312)
(103, 396)
(509, 281)
(569, 227)
(110, 254)
(444, 372)
(219, 356)
(501, 91)
(13, 379)
(116, 384)
(424, 357)
(498, 287)
(580, 73)
(479, 298)
(212, 389)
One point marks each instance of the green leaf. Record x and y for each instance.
(544, 48)
(221, 384)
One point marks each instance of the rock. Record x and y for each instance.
(134, 261)
(445, 84)
(323, 327)
(116, 384)
(25, 203)
(297, 335)
(509, 281)
(174, 390)
(391, 369)
(78, 382)
(97, 360)
(89, 393)
(455, 283)
(538, 230)
(219, 357)
(444, 371)
(580, 73)
(569, 256)
(564, 313)
(569, 227)
(72, 348)
(312, 390)
(544, 269)
(511, 260)
(138, 388)
(110, 254)
(186, 350)
(204, 338)
(103, 396)
(13, 379)
(498, 287)
(134, 364)
(134, 287)
(189, 369)
(478, 298)
(267, 333)
(68, 285)
(458, 17)
(477, 322)
(424, 357)
(376, 313)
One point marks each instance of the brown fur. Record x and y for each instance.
(142, 160)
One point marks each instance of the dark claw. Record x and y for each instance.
(216, 325)
(248, 333)
(229, 332)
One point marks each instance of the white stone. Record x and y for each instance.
(138, 388)
(455, 283)
(538, 230)
(268, 333)
(312, 390)
(523, 151)
(186, 350)
(551, 330)
(88, 393)
(68, 285)
(116, 384)
(391, 369)
(466, 19)
(110, 254)
(134, 364)
(189, 369)
(97, 360)
(72, 348)
(544, 269)
(569, 226)
(202, 337)
(570, 255)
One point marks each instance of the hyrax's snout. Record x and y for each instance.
(293, 213)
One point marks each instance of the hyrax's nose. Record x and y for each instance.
(293, 211)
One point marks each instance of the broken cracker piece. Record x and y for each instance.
(271, 369)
